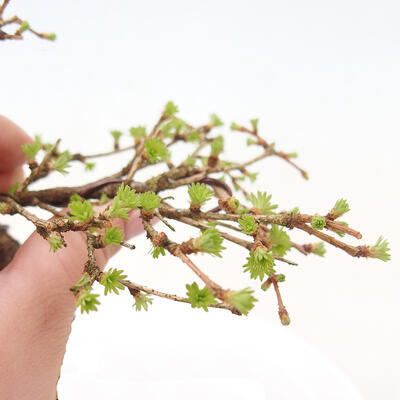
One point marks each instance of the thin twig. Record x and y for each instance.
(169, 296)
(36, 172)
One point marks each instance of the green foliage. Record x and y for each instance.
(110, 281)
(266, 285)
(296, 210)
(149, 201)
(280, 241)
(116, 135)
(125, 200)
(113, 235)
(250, 142)
(31, 149)
(85, 279)
(2, 208)
(13, 188)
(194, 136)
(318, 249)
(243, 300)
(61, 162)
(217, 146)
(177, 124)
(210, 242)
(104, 198)
(87, 301)
(156, 150)
(252, 176)
(200, 298)
(262, 202)
(215, 120)
(248, 224)
(280, 278)
(166, 129)
(138, 132)
(81, 211)
(259, 263)
(55, 243)
(380, 250)
(284, 317)
(234, 126)
(75, 197)
(24, 26)
(170, 109)
(142, 302)
(173, 126)
(199, 193)
(293, 155)
(157, 251)
(318, 222)
(50, 36)
(89, 166)
(119, 209)
(190, 161)
(254, 124)
(341, 207)
(340, 233)
(128, 196)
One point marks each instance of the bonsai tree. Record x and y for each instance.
(248, 219)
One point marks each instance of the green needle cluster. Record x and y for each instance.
(156, 150)
(200, 298)
(248, 224)
(110, 281)
(80, 210)
(318, 249)
(217, 146)
(199, 193)
(138, 132)
(113, 235)
(341, 207)
(280, 241)
(318, 222)
(55, 243)
(243, 300)
(61, 162)
(262, 203)
(380, 250)
(215, 120)
(142, 302)
(260, 263)
(210, 242)
(170, 109)
(87, 301)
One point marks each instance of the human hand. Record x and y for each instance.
(36, 305)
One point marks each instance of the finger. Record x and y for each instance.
(37, 308)
(12, 137)
(42, 280)
(59, 271)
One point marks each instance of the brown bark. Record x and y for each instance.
(8, 247)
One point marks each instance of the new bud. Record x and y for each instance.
(284, 316)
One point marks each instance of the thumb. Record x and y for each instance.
(37, 307)
(54, 273)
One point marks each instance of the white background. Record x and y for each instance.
(323, 79)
